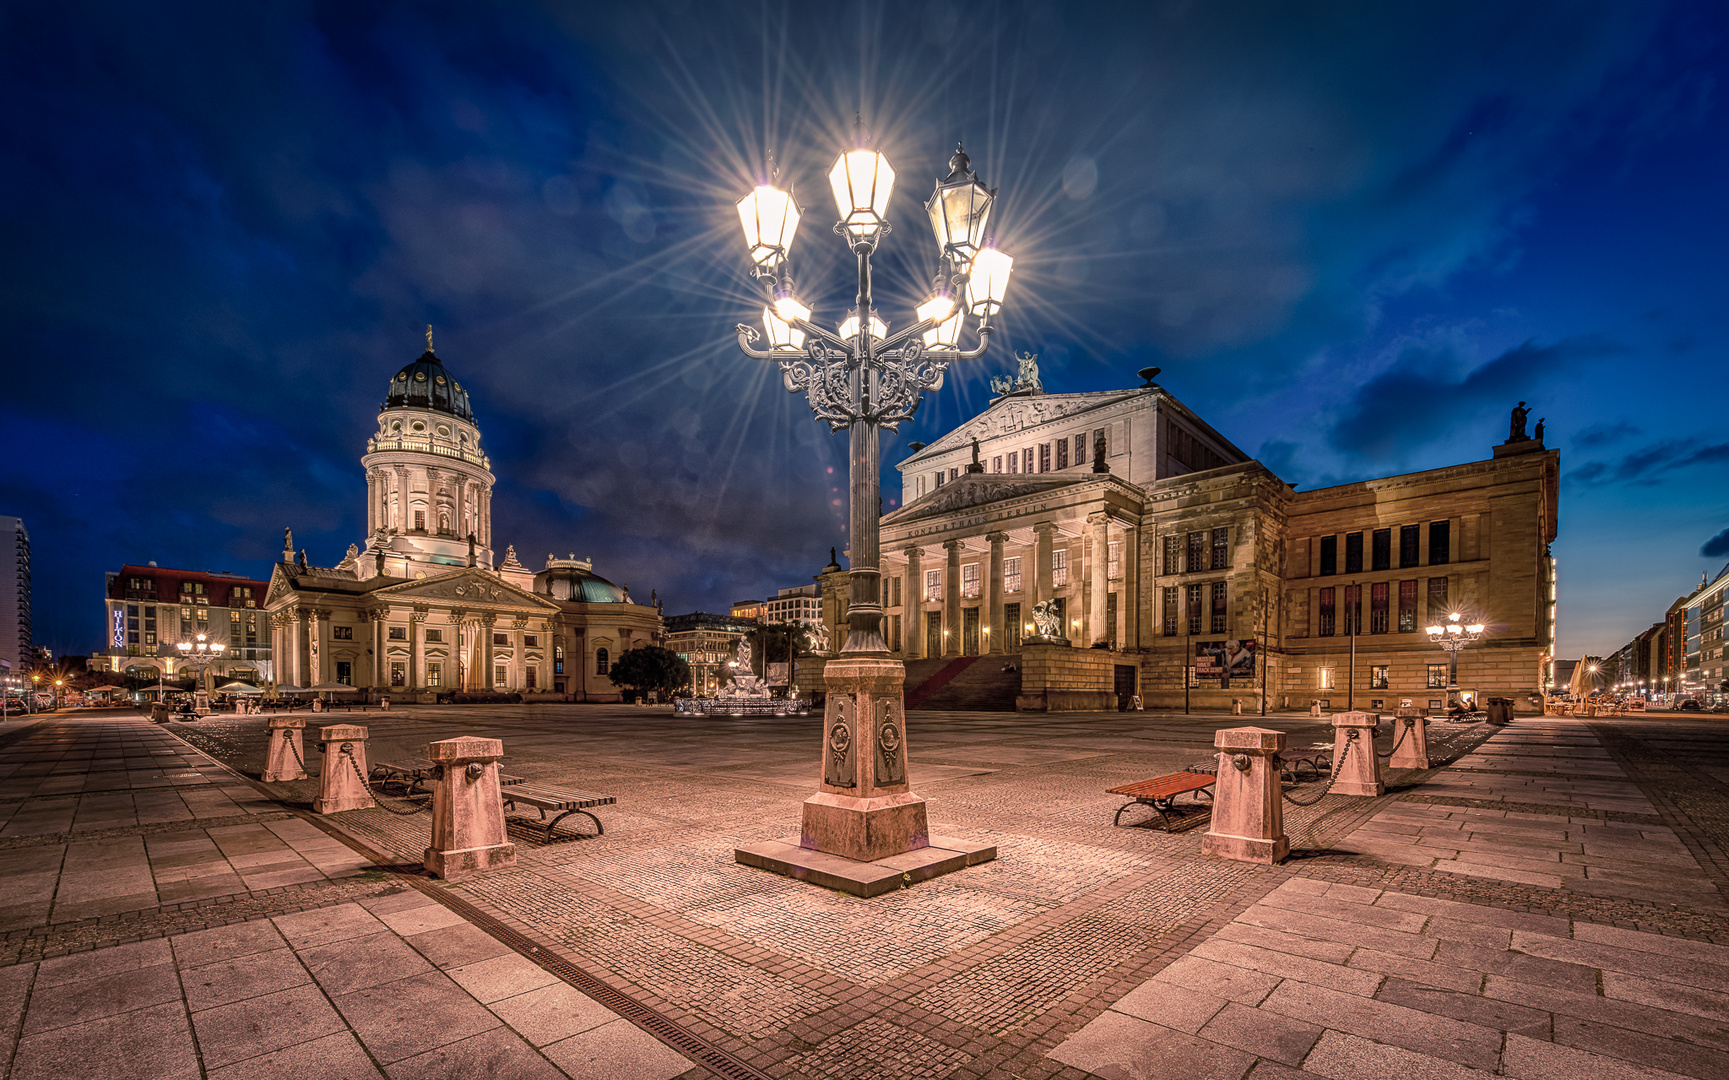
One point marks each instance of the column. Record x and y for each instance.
(380, 670)
(399, 519)
(486, 650)
(519, 656)
(1042, 590)
(371, 500)
(416, 639)
(1129, 603)
(302, 660)
(1099, 526)
(952, 598)
(914, 629)
(995, 616)
(315, 629)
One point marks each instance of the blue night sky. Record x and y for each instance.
(1353, 235)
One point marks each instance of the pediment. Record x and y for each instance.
(465, 586)
(974, 489)
(281, 586)
(1015, 413)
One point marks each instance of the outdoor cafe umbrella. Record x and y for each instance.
(238, 687)
(333, 688)
(289, 688)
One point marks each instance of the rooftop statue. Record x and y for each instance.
(1516, 429)
(1026, 378)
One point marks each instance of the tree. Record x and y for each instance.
(650, 667)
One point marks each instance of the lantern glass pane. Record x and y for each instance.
(989, 282)
(849, 328)
(781, 333)
(948, 330)
(862, 181)
(769, 217)
(959, 214)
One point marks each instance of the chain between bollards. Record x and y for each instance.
(378, 797)
(1410, 722)
(1338, 767)
(288, 737)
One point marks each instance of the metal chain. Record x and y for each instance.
(288, 737)
(1338, 767)
(377, 797)
(1411, 723)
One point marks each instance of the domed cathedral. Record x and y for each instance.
(421, 612)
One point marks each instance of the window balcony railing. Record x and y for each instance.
(427, 446)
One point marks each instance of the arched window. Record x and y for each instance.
(600, 662)
(558, 659)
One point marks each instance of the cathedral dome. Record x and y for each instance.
(425, 384)
(575, 580)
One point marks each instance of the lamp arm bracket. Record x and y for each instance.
(984, 342)
(746, 335)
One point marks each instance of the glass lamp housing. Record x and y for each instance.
(989, 281)
(777, 320)
(959, 211)
(849, 328)
(770, 218)
(862, 181)
(948, 329)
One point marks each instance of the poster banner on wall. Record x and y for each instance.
(1232, 658)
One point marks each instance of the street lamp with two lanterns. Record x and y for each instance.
(1452, 636)
(205, 651)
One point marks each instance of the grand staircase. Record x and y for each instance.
(964, 683)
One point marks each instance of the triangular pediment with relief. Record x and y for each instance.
(1016, 412)
(281, 585)
(975, 489)
(465, 586)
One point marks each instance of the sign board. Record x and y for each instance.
(1233, 658)
(119, 628)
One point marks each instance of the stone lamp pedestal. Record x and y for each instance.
(1411, 740)
(284, 754)
(1358, 773)
(864, 831)
(341, 785)
(468, 834)
(1248, 810)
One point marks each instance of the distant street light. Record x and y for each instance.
(1453, 636)
(203, 651)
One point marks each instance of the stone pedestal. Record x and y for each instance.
(1359, 772)
(340, 786)
(1410, 741)
(468, 835)
(864, 831)
(1248, 811)
(285, 752)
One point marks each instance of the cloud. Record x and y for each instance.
(1651, 465)
(1417, 401)
(1717, 546)
(1602, 434)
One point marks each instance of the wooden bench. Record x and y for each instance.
(412, 772)
(1161, 793)
(544, 798)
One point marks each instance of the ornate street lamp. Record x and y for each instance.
(204, 651)
(862, 380)
(1453, 636)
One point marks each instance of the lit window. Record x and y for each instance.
(1059, 567)
(970, 581)
(1114, 559)
(1326, 678)
(1012, 574)
(602, 663)
(933, 586)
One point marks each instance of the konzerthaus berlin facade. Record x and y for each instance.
(420, 610)
(1174, 552)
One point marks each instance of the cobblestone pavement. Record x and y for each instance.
(1025, 966)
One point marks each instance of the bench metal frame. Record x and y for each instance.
(570, 802)
(1164, 805)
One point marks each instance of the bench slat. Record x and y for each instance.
(1164, 787)
(548, 798)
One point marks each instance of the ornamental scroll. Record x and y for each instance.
(838, 748)
(891, 749)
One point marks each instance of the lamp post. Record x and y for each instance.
(862, 380)
(203, 651)
(1452, 636)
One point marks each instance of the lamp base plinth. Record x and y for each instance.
(943, 855)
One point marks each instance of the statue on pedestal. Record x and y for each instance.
(1516, 429)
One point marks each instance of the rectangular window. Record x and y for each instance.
(342, 633)
(500, 639)
(970, 581)
(1378, 677)
(434, 674)
(531, 641)
(1044, 457)
(1015, 462)
(1329, 556)
(894, 633)
(1173, 551)
(1080, 449)
(1194, 604)
(1114, 560)
(1353, 609)
(1324, 606)
(1170, 614)
(1062, 453)
(894, 591)
(398, 673)
(558, 659)
(1059, 568)
(1197, 552)
(1220, 609)
(420, 524)
(529, 675)
(1437, 677)
(1440, 536)
(498, 675)
(954, 474)
(1408, 606)
(1027, 456)
(398, 633)
(1378, 595)
(149, 637)
(933, 586)
(1326, 674)
(997, 463)
(434, 634)
(1437, 599)
(1354, 553)
(1382, 553)
(345, 672)
(1221, 549)
(1407, 546)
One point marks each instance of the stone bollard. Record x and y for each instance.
(1359, 771)
(1411, 740)
(341, 784)
(1315, 707)
(285, 760)
(1236, 706)
(1248, 810)
(468, 835)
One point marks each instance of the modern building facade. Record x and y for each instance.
(709, 644)
(17, 642)
(800, 605)
(420, 610)
(1146, 534)
(148, 611)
